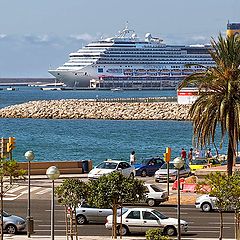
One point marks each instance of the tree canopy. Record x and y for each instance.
(219, 96)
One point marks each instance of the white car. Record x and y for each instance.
(154, 194)
(110, 166)
(206, 203)
(87, 214)
(142, 219)
(161, 173)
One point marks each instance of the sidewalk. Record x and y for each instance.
(21, 237)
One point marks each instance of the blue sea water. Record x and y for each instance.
(98, 140)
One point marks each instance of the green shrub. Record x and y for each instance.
(155, 234)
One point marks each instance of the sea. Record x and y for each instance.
(98, 140)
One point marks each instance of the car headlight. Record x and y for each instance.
(21, 222)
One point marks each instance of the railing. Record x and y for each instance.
(149, 99)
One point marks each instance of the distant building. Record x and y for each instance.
(187, 95)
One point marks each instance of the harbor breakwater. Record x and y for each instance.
(92, 109)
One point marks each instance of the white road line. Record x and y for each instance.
(43, 191)
(16, 189)
(206, 227)
(31, 189)
(13, 198)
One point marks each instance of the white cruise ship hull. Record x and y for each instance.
(72, 78)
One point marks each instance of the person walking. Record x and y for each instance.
(132, 158)
(183, 154)
(209, 153)
(190, 155)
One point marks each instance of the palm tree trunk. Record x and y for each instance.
(229, 158)
(231, 144)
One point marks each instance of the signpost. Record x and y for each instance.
(167, 158)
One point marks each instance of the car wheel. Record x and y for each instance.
(131, 176)
(170, 231)
(81, 219)
(151, 202)
(206, 207)
(125, 230)
(11, 229)
(143, 173)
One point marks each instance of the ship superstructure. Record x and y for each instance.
(127, 61)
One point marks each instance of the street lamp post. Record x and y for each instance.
(52, 173)
(178, 163)
(29, 155)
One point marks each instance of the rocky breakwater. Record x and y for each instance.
(92, 109)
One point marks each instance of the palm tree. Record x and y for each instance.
(219, 97)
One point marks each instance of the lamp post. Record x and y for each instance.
(52, 173)
(29, 155)
(178, 163)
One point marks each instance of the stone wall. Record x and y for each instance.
(92, 109)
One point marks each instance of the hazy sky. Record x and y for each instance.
(37, 34)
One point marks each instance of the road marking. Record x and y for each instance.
(16, 189)
(217, 227)
(31, 189)
(43, 191)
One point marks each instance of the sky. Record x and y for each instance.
(36, 35)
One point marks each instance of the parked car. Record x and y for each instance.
(237, 161)
(161, 174)
(154, 194)
(148, 166)
(87, 214)
(208, 203)
(12, 223)
(142, 219)
(200, 163)
(110, 166)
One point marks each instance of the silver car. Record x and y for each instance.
(161, 174)
(13, 224)
(86, 214)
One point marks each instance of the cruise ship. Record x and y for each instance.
(126, 61)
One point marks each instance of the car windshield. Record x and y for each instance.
(123, 211)
(160, 215)
(107, 165)
(156, 188)
(5, 214)
(198, 162)
(171, 166)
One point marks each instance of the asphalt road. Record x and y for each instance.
(201, 225)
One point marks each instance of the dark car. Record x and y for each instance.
(237, 161)
(148, 166)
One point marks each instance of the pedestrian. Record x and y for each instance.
(209, 153)
(183, 154)
(190, 156)
(132, 158)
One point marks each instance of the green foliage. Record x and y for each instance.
(155, 234)
(71, 192)
(10, 168)
(219, 96)
(226, 189)
(114, 188)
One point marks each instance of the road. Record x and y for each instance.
(201, 225)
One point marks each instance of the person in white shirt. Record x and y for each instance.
(132, 158)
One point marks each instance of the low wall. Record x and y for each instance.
(65, 167)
